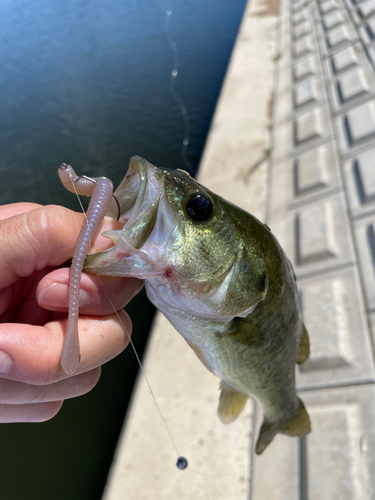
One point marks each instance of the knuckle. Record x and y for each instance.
(54, 226)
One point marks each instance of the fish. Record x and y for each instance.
(221, 278)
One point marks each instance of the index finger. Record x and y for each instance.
(33, 240)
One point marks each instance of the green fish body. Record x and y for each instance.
(223, 281)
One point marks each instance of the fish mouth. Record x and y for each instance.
(138, 198)
(131, 191)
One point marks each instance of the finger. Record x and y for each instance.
(31, 354)
(38, 412)
(98, 295)
(17, 393)
(13, 209)
(34, 240)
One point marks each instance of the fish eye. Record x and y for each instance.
(199, 207)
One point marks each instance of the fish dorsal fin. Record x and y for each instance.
(304, 348)
(231, 403)
(298, 424)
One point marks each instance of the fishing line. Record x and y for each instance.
(144, 374)
(175, 96)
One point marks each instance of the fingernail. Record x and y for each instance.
(5, 362)
(57, 295)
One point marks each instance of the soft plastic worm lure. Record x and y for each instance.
(100, 189)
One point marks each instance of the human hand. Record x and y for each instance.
(34, 240)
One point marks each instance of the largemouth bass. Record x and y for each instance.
(222, 280)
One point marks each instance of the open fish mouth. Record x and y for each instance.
(131, 191)
(138, 199)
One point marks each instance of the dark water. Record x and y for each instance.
(87, 83)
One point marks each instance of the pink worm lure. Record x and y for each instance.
(100, 189)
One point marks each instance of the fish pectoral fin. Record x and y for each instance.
(245, 332)
(296, 425)
(231, 403)
(304, 348)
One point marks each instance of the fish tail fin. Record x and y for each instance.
(231, 403)
(304, 348)
(296, 425)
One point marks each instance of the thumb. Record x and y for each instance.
(33, 240)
